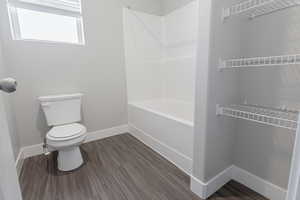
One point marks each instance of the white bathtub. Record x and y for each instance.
(167, 127)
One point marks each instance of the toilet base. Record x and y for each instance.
(69, 159)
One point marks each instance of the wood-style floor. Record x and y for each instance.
(117, 168)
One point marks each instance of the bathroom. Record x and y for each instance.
(149, 99)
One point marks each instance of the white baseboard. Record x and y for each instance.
(205, 190)
(37, 149)
(101, 134)
(259, 185)
(19, 162)
(180, 160)
(33, 150)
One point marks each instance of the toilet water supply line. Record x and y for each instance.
(45, 148)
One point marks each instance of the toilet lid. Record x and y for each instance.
(66, 131)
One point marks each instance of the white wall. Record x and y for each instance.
(160, 54)
(96, 69)
(221, 141)
(148, 6)
(214, 136)
(263, 150)
(171, 5)
(156, 7)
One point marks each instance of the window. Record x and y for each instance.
(46, 20)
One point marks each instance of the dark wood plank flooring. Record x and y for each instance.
(116, 168)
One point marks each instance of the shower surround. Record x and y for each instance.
(160, 56)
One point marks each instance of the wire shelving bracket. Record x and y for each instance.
(281, 118)
(270, 61)
(256, 8)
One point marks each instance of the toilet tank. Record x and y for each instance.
(62, 109)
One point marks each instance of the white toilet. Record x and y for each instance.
(63, 112)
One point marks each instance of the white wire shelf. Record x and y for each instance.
(263, 115)
(270, 61)
(256, 8)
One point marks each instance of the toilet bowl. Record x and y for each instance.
(63, 112)
(67, 139)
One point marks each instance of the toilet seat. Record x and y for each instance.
(66, 132)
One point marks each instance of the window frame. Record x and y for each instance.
(13, 5)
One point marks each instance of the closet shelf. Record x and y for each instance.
(256, 8)
(270, 61)
(264, 115)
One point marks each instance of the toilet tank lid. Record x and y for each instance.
(60, 97)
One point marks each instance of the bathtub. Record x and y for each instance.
(167, 127)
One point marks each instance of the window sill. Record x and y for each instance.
(49, 42)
